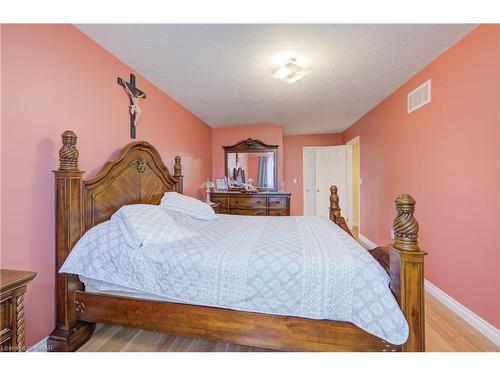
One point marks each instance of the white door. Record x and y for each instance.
(309, 168)
(330, 168)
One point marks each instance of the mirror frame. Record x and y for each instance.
(250, 145)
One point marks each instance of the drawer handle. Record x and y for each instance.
(259, 213)
(257, 202)
(274, 203)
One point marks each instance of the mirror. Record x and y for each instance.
(251, 162)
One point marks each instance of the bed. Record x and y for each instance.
(286, 283)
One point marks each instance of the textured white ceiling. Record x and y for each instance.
(221, 72)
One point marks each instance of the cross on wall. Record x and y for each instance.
(134, 94)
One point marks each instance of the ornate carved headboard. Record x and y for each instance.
(137, 175)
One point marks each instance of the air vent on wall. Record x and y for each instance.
(420, 96)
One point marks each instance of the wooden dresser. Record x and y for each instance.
(268, 203)
(12, 288)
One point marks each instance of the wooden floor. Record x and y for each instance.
(445, 332)
(120, 339)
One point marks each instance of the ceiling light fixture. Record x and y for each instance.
(290, 72)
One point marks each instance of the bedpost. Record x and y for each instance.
(335, 210)
(407, 272)
(69, 333)
(178, 174)
(334, 205)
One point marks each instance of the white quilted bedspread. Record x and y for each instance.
(298, 265)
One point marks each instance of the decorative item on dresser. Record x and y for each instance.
(13, 285)
(207, 185)
(138, 175)
(262, 203)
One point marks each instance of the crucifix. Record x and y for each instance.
(135, 94)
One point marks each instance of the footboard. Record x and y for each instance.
(404, 261)
(287, 333)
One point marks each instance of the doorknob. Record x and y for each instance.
(317, 190)
(307, 190)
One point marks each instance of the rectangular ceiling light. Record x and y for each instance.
(290, 72)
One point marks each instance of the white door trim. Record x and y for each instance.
(349, 203)
(351, 142)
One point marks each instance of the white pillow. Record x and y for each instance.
(147, 224)
(190, 206)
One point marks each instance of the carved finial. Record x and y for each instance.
(334, 198)
(405, 226)
(177, 167)
(334, 204)
(68, 154)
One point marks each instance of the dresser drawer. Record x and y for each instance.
(260, 204)
(5, 315)
(221, 200)
(248, 212)
(276, 212)
(278, 202)
(247, 202)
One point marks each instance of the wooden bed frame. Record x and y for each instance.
(138, 175)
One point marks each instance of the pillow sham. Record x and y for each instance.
(190, 206)
(144, 225)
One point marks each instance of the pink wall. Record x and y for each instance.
(293, 145)
(267, 133)
(1, 131)
(55, 78)
(446, 155)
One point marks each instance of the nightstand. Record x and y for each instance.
(215, 206)
(13, 285)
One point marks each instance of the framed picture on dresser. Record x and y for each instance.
(220, 184)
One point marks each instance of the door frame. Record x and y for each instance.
(360, 181)
(304, 180)
(303, 173)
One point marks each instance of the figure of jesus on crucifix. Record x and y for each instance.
(135, 110)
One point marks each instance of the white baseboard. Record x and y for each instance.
(40, 346)
(486, 329)
(367, 242)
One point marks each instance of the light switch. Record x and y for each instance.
(360, 180)
(294, 180)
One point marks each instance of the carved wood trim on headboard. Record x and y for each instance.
(137, 175)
